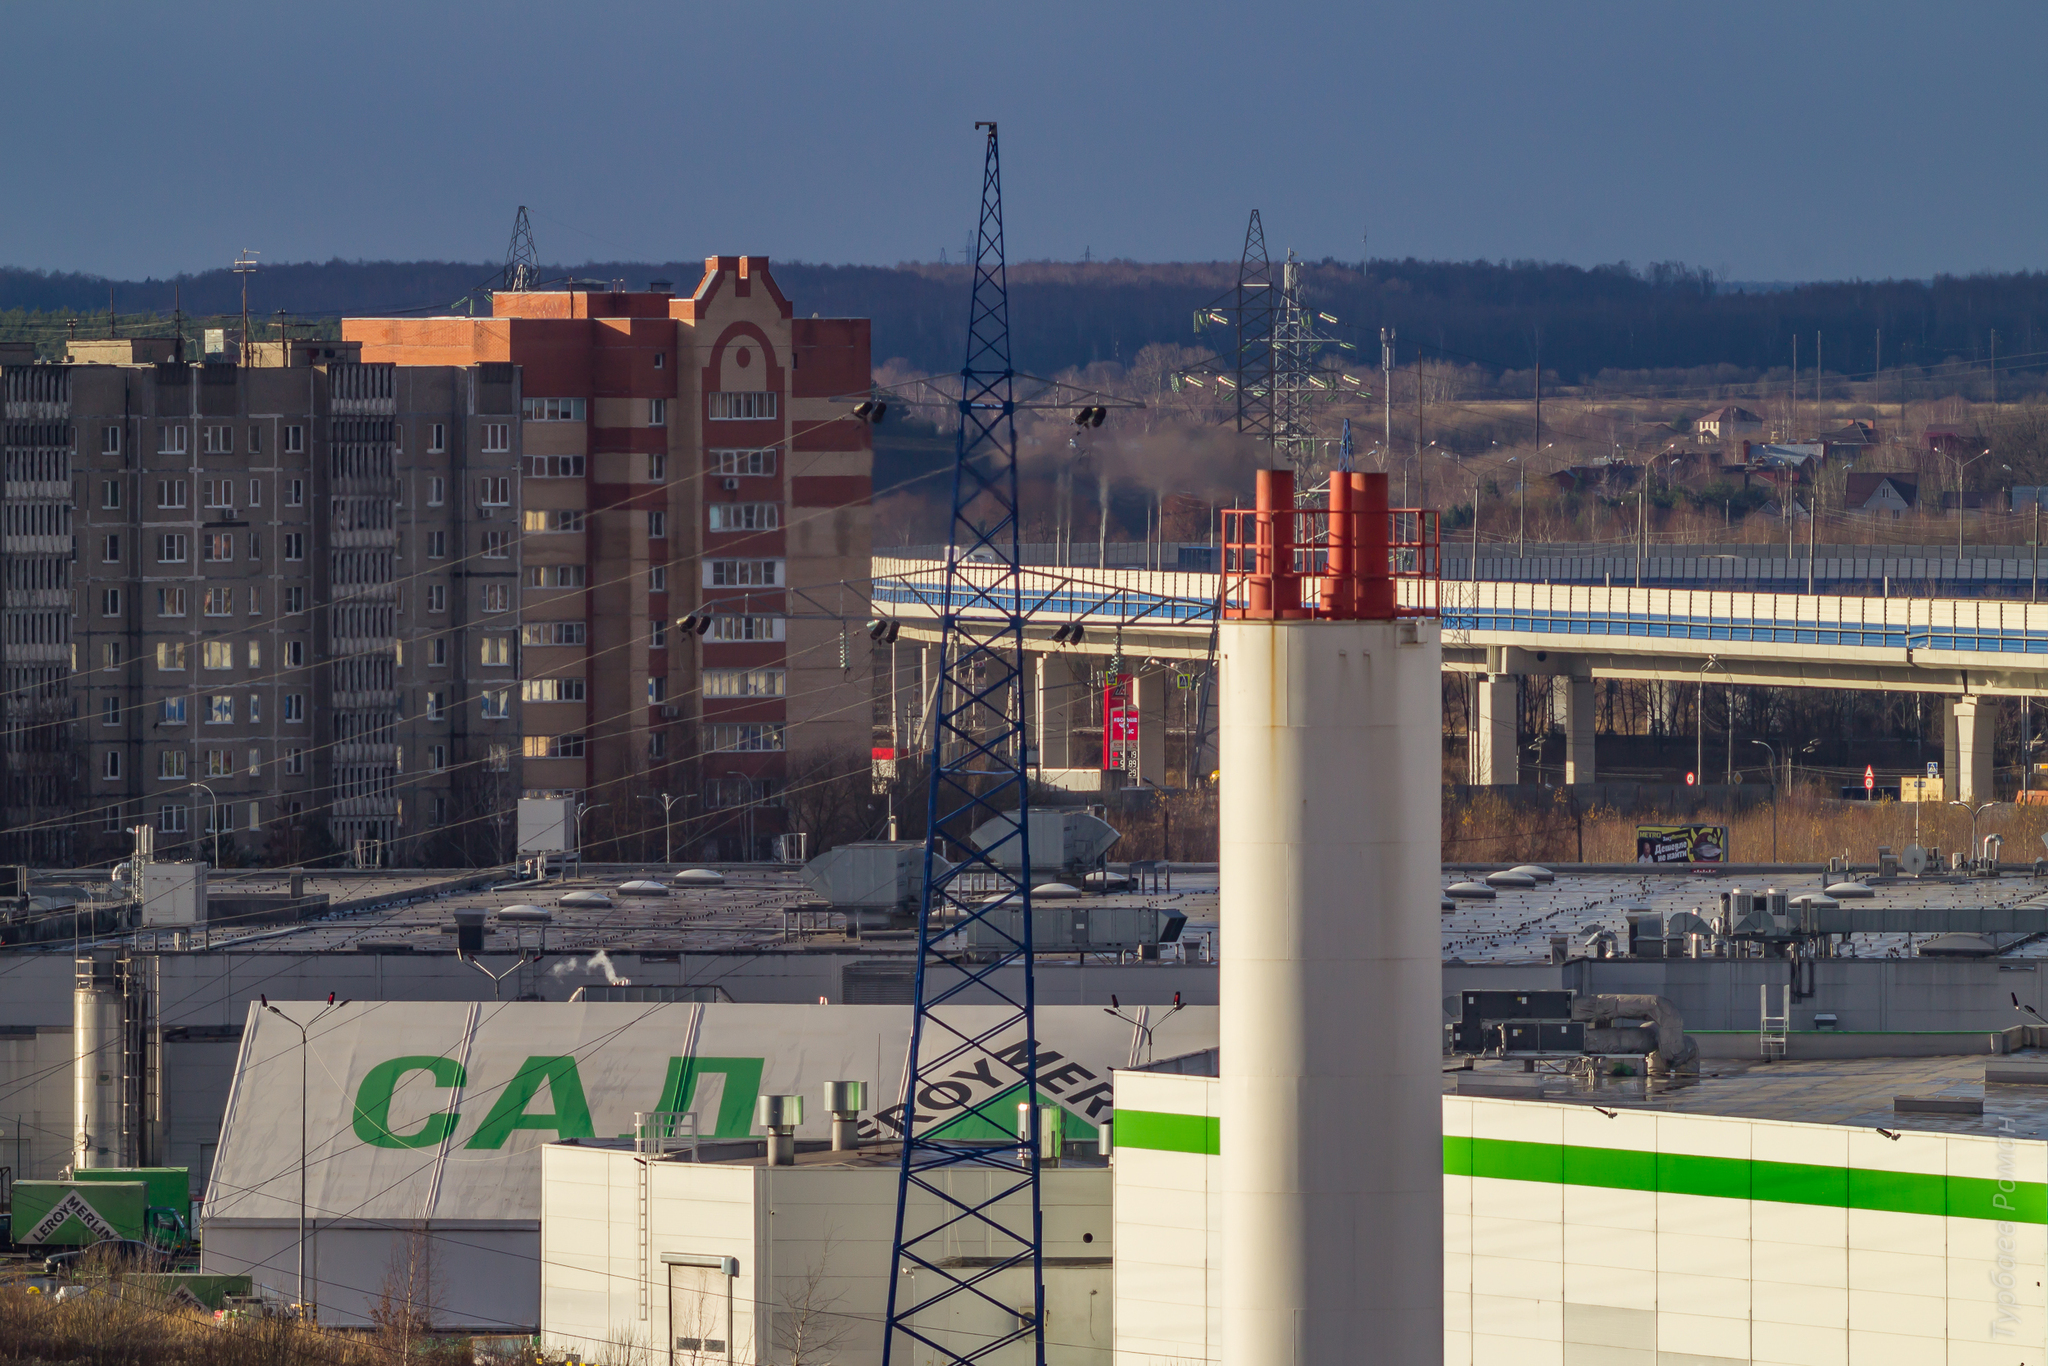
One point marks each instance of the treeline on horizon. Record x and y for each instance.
(1500, 315)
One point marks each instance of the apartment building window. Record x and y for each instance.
(735, 464)
(112, 819)
(255, 493)
(657, 691)
(170, 820)
(745, 737)
(217, 654)
(437, 545)
(742, 573)
(657, 466)
(170, 656)
(657, 412)
(170, 493)
(295, 654)
(218, 493)
(220, 709)
(295, 494)
(255, 706)
(219, 602)
(553, 746)
(495, 597)
(745, 682)
(294, 600)
(437, 703)
(294, 708)
(497, 545)
(552, 409)
(494, 491)
(552, 633)
(110, 550)
(294, 761)
(745, 516)
(657, 745)
(255, 440)
(657, 525)
(495, 652)
(657, 636)
(497, 703)
(657, 579)
(295, 545)
(254, 651)
(220, 763)
(171, 548)
(553, 519)
(110, 602)
(437, 597)
(110, 765)
(554, 467)
(110, 494)
(554, 576)
(660, 359)
(110, 441)
(498, 758)
(730, 630)
(217, 440)
(170, 602)
(437, 758)
(294, 440)
(170, 441)
(743, 407)
(170, 711)
(110, 711)
(497, 438)
(170, 765)
(255, 601)
(437, 652)
(218, 546)
(552, 690)
(110, 654)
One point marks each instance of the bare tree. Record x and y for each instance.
(402, 1314)
(809, 1327)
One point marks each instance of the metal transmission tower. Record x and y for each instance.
(522, 263)
(1254, 319)
(1277, 369)
(972, 1175)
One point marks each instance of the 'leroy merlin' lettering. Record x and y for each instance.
(568, 1114)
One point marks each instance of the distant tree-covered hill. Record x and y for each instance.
(1499, 314)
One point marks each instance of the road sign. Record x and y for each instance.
(1691, 778)
(1869, 778)
(1933, 768)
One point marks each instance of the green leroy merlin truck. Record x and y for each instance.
(145, 1204)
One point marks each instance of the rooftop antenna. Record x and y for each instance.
(245, 266)
(177, 326)
(522, 263)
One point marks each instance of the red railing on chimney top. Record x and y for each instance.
(1343, 562)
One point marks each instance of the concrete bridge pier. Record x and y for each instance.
(1966, 750)
(1491, 755)
(1579, 710)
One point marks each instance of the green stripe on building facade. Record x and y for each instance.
(1729, 1178)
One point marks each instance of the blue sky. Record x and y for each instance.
(1766, 141)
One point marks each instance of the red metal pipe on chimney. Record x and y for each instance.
(1339, 592)
(1373, 597)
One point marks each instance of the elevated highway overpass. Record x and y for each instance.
(1965, 648)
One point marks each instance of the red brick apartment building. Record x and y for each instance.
(678, 453)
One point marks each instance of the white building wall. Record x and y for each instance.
(1585, 1239)
(812, 1249)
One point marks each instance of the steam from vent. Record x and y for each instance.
(597, 962)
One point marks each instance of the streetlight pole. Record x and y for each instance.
(326, 1010)
(746, 814)
(1974, 813)
(581, 812)
(667, 804)
(212, 819)
(1774, 796)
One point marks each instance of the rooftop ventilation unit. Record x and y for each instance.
(1061, 841)
(878, 883)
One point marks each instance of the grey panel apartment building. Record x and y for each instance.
(293, 608)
